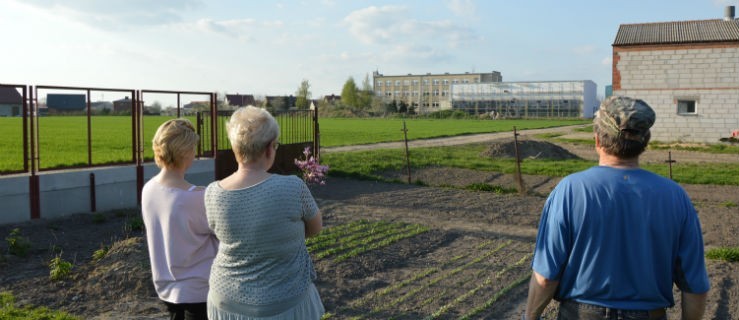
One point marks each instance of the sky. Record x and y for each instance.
(269, 47)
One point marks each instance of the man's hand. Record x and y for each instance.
(693, 305)
(541, 291)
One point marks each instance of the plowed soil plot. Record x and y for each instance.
(388, 251)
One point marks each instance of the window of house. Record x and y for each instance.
(397, 82)
(387, 83)
(446, 82)
(426, 81)
(686, 106)
(436, 81)
(379, 83)
(415, 82)
(406, 82)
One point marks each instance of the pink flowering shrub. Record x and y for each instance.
(313, 172)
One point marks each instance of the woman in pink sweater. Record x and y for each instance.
(181, 245)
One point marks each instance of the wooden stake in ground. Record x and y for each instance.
(407, 156)
(519, 178)
(670, 162)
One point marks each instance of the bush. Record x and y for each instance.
(59, 269)
(730, 254)
(17, 244)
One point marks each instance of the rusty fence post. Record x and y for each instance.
(519, 178)
(670, 162)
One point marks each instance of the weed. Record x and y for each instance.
(728, 204)
(730, 254)
(55, 249)
(490, 188)
(17, 244)
(120, 213)
(59, 269)
(99, 254)
(98, 218)
(135, 223)
(8, 310)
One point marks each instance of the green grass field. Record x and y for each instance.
(342, 132)
(63, 139)
(369, 164)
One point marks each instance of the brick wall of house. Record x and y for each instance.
(662, 75)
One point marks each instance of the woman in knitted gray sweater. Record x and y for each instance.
(262, 269)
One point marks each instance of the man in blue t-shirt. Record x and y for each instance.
(614, 238)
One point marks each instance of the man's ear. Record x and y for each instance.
(597, 141)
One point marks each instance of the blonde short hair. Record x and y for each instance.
(174, 140)
(250, 131)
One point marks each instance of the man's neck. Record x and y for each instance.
(609, 160)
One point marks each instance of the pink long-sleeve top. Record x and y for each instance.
(181, 244)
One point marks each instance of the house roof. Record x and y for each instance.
(240, 100)
(9, 95)
(674, 32)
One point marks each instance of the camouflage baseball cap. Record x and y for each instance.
(626, 117)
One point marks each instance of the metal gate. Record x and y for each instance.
(298, 130)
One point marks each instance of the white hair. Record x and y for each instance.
(250, 131)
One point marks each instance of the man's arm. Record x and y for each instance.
(693, 305)
(541, 292)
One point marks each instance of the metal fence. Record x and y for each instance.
(60, 127)
(298, 130)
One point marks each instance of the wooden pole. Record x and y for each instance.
(407, 155)
(670, 162)
(519, 178)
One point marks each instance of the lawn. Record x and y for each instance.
(63, 139)
(342, 132)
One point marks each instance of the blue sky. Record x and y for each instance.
(269, 47)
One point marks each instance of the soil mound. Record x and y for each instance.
(527, 149)
(123, 272)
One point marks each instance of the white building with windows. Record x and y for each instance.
(527, 99)
(688, 71)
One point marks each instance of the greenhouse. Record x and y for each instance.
(542, 99)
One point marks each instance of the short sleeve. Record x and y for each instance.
(689, 272)
(552, 241)
(307, 203)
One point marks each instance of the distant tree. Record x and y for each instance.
(349, 96)
(392, 107)
(366, 94)
(403, 107)
(303, 95)
(154, 108)
(412, 108)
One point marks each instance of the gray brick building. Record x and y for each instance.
(688, 71)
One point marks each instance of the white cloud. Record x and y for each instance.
(607, 61)
(394, 26)
(118, 14)
(462, 8)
